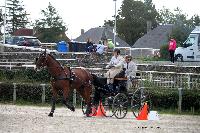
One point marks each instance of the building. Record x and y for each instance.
(101, 33)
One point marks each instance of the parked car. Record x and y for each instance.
(24, 41)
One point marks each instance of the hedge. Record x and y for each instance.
(27, 75)
(161, 98)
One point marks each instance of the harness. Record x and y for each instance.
(71, 77)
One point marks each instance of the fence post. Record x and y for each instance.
(43, 93)
(74, 98)
(14, 93)
(150, 76)
(188, 81)
(179, 100)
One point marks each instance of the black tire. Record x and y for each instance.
(107, 109)
(179, 57)
(120, 105)
(140, 97)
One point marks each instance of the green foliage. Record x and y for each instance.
(164, 53)
(194, 99)
(167, 98)
(109, 23)
(1, 18)
(180, 33)
(51, 27)
(27, 75)
(133, 17)
(196, 20)
(17, 17)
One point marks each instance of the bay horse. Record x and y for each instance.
(66, 79)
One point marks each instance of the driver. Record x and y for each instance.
(115, 66)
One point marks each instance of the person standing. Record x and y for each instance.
(171, 49)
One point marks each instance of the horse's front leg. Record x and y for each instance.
(53, 102)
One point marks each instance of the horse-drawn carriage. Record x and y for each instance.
(115, 98)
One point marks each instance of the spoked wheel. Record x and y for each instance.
(139, 98)
(84, 108)
(120, 105)
(107, 109)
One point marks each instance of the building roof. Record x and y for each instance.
(101, 33)
(155, 38)
(23, 32)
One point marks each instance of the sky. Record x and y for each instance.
(86, 14)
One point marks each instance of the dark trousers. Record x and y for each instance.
(171, 52)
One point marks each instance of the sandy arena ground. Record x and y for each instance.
(28, 119)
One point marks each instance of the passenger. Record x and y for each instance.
(130, 70)
(115, 66)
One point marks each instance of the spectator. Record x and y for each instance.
(110, 44)
(89, 46)
(171, 49)
(100, 48)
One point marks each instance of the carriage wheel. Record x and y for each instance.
(107, 109)
(139, 98)
(120, 105)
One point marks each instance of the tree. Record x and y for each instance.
(109, 23)
(196, 20)
(1, 20)
(17, 16)
(51, 27)
(133, 17)
(182, 25)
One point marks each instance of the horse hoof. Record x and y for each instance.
(88, 115)
(73, 109)
(50, 115)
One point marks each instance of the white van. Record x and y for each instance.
(190, 50)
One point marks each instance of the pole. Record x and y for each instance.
(4, 24)
(74, 98)
(43, 93)
(115, 23)
(180, 100)
(14, 93)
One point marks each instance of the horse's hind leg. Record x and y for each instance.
(66, 101)
(86, 94)
(53, 103)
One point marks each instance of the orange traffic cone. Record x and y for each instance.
(100, 110)
(143, 113)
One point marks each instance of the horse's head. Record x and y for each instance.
(41, 61)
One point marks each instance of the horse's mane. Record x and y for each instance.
(54, 59)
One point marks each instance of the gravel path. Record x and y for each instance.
(28, 119)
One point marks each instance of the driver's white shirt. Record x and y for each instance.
(116, 62)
